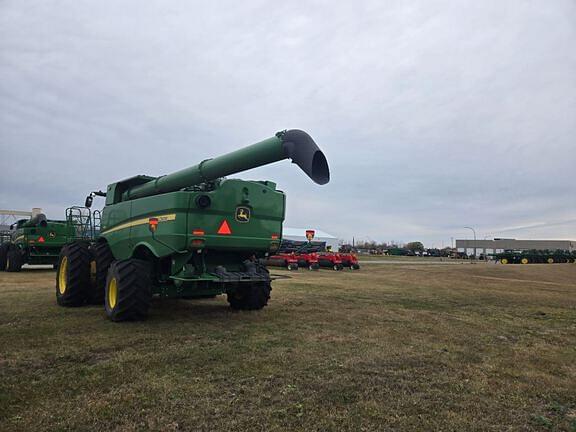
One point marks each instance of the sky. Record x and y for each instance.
(433, 115)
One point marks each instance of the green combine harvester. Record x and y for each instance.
(190, 234)
(33, 241)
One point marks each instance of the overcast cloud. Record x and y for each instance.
(433, 114)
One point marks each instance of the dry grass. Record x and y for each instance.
(392, 347)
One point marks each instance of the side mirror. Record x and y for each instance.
(88, 202)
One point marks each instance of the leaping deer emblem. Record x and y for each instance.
(242, 214)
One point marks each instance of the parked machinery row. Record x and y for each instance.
(536, 257)
(311, 255)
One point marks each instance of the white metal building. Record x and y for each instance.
(299, 234)
(499, 245)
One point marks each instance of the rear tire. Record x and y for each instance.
(128, 290)
(3, 255)
(73, 275)
(14, 260)
(254, 296)
(250, 297)
(101, 260)
(355, 266)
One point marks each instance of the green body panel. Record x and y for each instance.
(186, 245)
(125, 225)
(40, 244)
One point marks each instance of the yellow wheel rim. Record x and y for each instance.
(550, 260)
(504, 261)
(112, 293)
(524, 261)
(93, 272)
(62, 272)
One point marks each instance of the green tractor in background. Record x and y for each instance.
(37, 240)
(190, 234)
(535, 256)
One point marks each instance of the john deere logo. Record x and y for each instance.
(51, 234)
(242, 214)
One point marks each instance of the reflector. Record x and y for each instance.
(224, 228)
(152, 224)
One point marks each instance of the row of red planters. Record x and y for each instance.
(314, 260)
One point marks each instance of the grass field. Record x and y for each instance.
(391, 347)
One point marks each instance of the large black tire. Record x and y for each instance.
(128, 290)
(73, 275)
(14, 260)
(3, 255)
(250, 297)
(100, 262)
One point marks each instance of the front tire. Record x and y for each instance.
(3, 255)
(128, 290)
(73, 275)
(14, 260)
(101, 260)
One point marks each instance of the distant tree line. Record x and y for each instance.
(408, 249)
